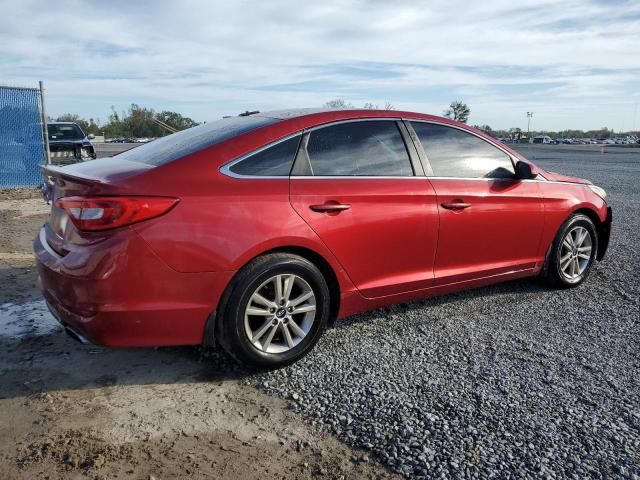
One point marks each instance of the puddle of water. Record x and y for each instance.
(28, 319)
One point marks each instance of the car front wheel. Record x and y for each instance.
(275, 312)
(573, 252)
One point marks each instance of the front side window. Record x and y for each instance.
(455, 153)
(273, 161)
(365, 148)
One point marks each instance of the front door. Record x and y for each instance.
(354, 184)
(490, 222)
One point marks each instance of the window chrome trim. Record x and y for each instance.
(357, 177)
(226, 168)
(395, 120)
(421, 177)
(486, 179)
(351, 120)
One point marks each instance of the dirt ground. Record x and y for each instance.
(80, 411)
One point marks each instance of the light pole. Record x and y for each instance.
(529, 115)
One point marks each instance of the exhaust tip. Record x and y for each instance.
(76, 336)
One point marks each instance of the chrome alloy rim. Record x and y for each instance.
(280, 313)
(575, 253)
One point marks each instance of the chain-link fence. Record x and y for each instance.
(22, 137)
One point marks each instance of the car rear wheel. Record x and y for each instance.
(573, 252)
(275, 312)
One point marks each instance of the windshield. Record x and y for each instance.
(176, 145)
(64, 131)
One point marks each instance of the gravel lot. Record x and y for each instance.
(510, 381)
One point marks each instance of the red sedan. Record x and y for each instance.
(255, 232)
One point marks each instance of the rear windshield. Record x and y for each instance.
(64, 131)
(177, 145)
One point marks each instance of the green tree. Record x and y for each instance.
(87, 126)
(140, 122)
(458, 111)
(486, 129)
(175, 120)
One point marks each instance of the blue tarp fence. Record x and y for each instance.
(22, 143)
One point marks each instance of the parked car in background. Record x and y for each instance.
(68, 143)
(256, 232)
(542, 139)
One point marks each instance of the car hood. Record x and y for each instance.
(557, 177)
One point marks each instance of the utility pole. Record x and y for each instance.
(529, 115)
(45, 131)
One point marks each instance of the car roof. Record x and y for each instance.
(332, 114)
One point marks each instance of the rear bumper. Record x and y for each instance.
(118, 293)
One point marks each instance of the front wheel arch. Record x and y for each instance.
(602, 229)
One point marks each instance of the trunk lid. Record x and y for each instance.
(95, 178)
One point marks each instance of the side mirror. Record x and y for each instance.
(523, 171)
(91, 136)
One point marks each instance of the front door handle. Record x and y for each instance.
(330, 207)
(456, 205)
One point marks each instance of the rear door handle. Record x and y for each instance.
(330, 207)
(457, 205)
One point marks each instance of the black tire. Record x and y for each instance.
(553, 272)
(232, 335)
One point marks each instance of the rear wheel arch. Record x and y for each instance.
(211, 332)
(327, 271)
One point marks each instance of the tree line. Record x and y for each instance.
(137, 122)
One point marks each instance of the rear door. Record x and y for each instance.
(355, 184)
(490, 221)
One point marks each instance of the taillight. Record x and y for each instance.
(93, 214)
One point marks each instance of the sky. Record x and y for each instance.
(573, 63)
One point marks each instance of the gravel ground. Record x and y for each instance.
(80, 411)
(509, 381)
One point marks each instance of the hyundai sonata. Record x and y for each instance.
(255, 232)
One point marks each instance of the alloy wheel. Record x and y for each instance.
(575, 253)
(280, 313)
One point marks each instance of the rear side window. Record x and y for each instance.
(455, 153)
(169, 148)
(368, 148)
(273, 161)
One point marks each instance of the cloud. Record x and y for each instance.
(574, 63)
